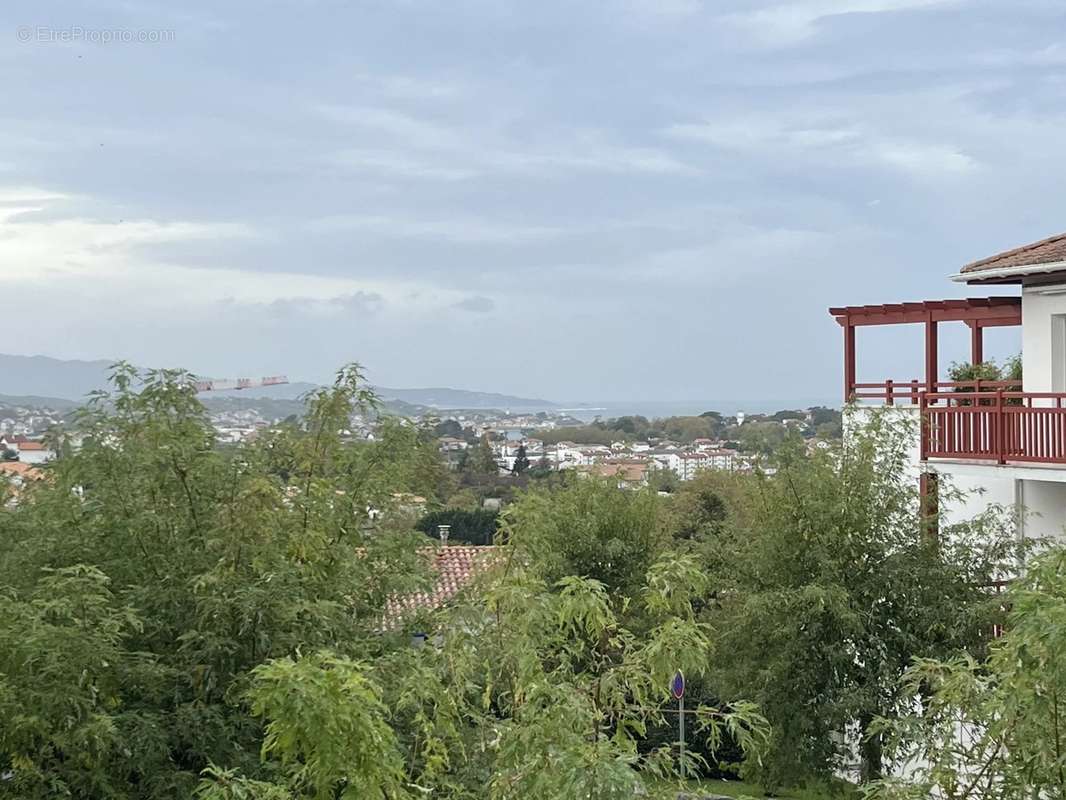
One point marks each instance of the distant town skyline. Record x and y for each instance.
(635, 199)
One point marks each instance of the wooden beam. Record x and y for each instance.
(931, 355)
(849, 363)
(990, 310)
(977, 344)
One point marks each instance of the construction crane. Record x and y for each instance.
(223, 384)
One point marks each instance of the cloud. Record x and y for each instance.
(479, 304)
(410, 146)
(387, 162)
(395, 125)
(360, 302)
(461, 230)
(792, 22)
(44, 248)
(775, 139)
(924, 159)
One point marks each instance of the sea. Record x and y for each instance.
(588, 411)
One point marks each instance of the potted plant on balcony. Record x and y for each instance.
(974, 376)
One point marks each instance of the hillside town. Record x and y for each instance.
(632, 460)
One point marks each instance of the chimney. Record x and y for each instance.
(443, 530)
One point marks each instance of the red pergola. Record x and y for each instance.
(977, 312)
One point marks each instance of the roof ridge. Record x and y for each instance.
(973, 265)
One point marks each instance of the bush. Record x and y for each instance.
(476, 527)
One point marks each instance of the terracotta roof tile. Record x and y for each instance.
(1046, 251)
(456, 566)
(20, 469)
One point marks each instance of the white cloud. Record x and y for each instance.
(113, 262)
(923, 159)
(757, 133)
(413, 131)
(388, 162)
(411, 147)
(769, 137)
(465, 230)
(791, 22)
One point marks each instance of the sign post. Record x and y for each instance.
(677, 689)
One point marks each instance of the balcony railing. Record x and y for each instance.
(909, 392)
(981, 420)
(1000, 426)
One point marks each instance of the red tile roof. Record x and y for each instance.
(20, 469)
(456, 566)
(1046, 251)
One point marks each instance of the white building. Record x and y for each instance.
(1005, 438)
(29, 451)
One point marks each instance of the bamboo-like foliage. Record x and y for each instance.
(995, 727)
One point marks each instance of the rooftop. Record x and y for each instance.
(1038, 255)
(18, 468)
(455, 566)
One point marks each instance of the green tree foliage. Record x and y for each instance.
(992, 728)
(479, 459)
(663, 480)
(708, 425)
(596, 433)
(152, 573)
(521, 461)
(589, 529)
(699, 510)
(180, 620)
(448, 427)
(477, 526)
(1009, 370)
(762, 438)
(829, 586)
(537, 691)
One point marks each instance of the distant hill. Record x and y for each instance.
(51, 377)
(62, 405)
(46, 377)
(462, 398)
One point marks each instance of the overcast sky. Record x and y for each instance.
(638, 199)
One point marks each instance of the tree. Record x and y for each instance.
(829, 586)
(521, 461)
(763, 438)
(448, 427)
(542, 469)
(481, 460)
(153, 573)
(663, 480)
(589, 529)
(476, 526)
(993, 727)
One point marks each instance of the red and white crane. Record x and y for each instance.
(225, 384)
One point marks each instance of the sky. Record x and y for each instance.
(626, 199)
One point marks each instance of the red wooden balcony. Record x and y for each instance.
(988, 421)
(1000, 426)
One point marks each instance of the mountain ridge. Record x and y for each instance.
(74, 379)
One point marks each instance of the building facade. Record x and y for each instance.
(1004, 441)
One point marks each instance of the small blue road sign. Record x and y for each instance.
(677, 685)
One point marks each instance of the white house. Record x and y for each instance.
(1005, 438)
(30, 451)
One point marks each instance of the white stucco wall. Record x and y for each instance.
(1045, 507)
(979, 486)
(1044, 338)
(35, 456)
